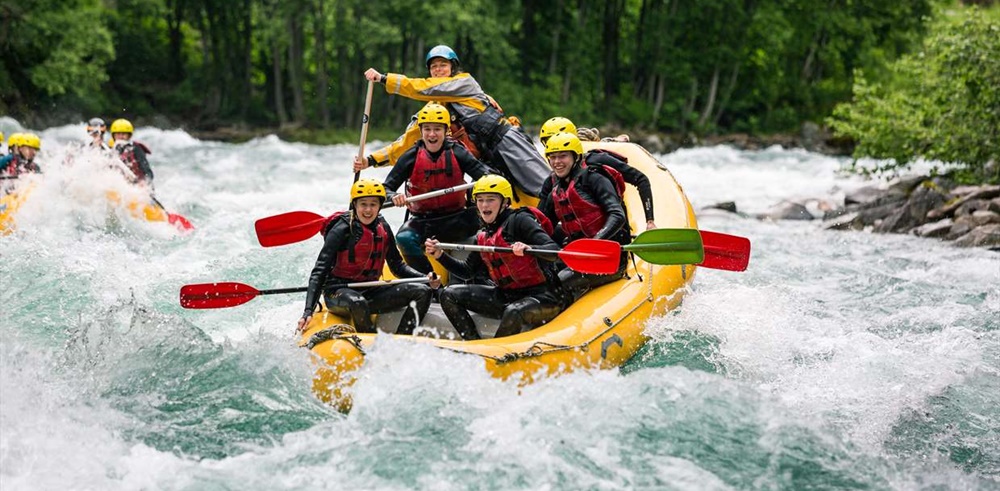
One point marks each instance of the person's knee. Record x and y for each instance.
(410, 242)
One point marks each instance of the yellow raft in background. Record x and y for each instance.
(603, 329)
(9, 205)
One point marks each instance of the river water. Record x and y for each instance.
(838, 360)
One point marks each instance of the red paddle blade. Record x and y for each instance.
(723, 251)
(288, 228)
(592, 256)
(216, 295)
(179, 221)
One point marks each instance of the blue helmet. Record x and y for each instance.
(442, 51)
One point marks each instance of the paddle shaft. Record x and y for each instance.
(360, 284)
(433, 194)
(364, 126)
(502, 250)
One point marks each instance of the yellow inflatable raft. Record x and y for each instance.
(603, 329)
(8, 207)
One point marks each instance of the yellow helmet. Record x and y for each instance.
(31, 140)
(564, 142)
(556, 125)
(492, 183)
(14, 140)
(1, 137)
(434, 113)
(122, 126)
(367, 187)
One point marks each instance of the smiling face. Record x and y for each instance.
(440, 67)
(489, 205)
(433, 135)
(367, 209)
(561, 162)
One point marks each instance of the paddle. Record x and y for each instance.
(590, 256)
(174, 219)
(727, 252)
(364, 126)
(231, 294)
(296, 226)
(668, 246)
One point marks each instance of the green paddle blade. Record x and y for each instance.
(668, 246)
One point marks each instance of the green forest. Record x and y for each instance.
(705, 67)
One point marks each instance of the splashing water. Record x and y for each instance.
(838, 360)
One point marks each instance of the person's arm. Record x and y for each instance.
(333, 242)
(140, 157)
(545, 203)
(461, 88)
(389, 154)
(401, 171)
(525, 229)
(469, 164)
(465, 268)
(604, 194)
(394, 259)
(632, 176)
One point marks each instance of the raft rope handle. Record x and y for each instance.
(337, 331)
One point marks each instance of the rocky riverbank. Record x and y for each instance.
(924, 206)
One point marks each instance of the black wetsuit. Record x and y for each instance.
(447, 227)
(519, 309)
(359, 305)
(630, 174)
(595, 188)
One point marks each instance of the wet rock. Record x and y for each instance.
(847, 221)
(729, 206)
(985, 236)
(864, 196)
(653, 143)
(983, 217)
(787, 210)
(914, 213)
(973, 205)
(904, 186)
(958, 229)
(939, 228)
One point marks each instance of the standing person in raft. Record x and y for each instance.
(357, 245)
(526, 294)
(494, 139)
(132, 152)
(433, 163)
(586, 204)
(629, 174)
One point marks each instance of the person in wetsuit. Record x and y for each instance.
(435, 162)
(357, 245)
(21, 159)
(132, 152)
(490, 134)
(629, 174)
(526, 292)
(585, 203)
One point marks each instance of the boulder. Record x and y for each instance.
(905, 185)
(985, 236)
(864, 196)
(958, 229)
(787, 210)
(729, 206)
(653, 143)
(973, 205)
(983, 217)
(847, 221)
(914, 213)
(939, 228)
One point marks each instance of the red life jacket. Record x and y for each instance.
(430, 175)
(577, 216)
(128, 156)
(543, 221)
(19, 165)
(610, 172)
(361, 260)
(508, 271)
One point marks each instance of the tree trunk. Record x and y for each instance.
(279, 82)
(713, 90)
(556, 34)
(296, 78)
(174, 20)
(661, 85)
(611, 36)
(689, 104)
(322, 79)
(727, 94)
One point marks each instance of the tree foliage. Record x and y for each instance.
(669, 65)
(940, 103)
